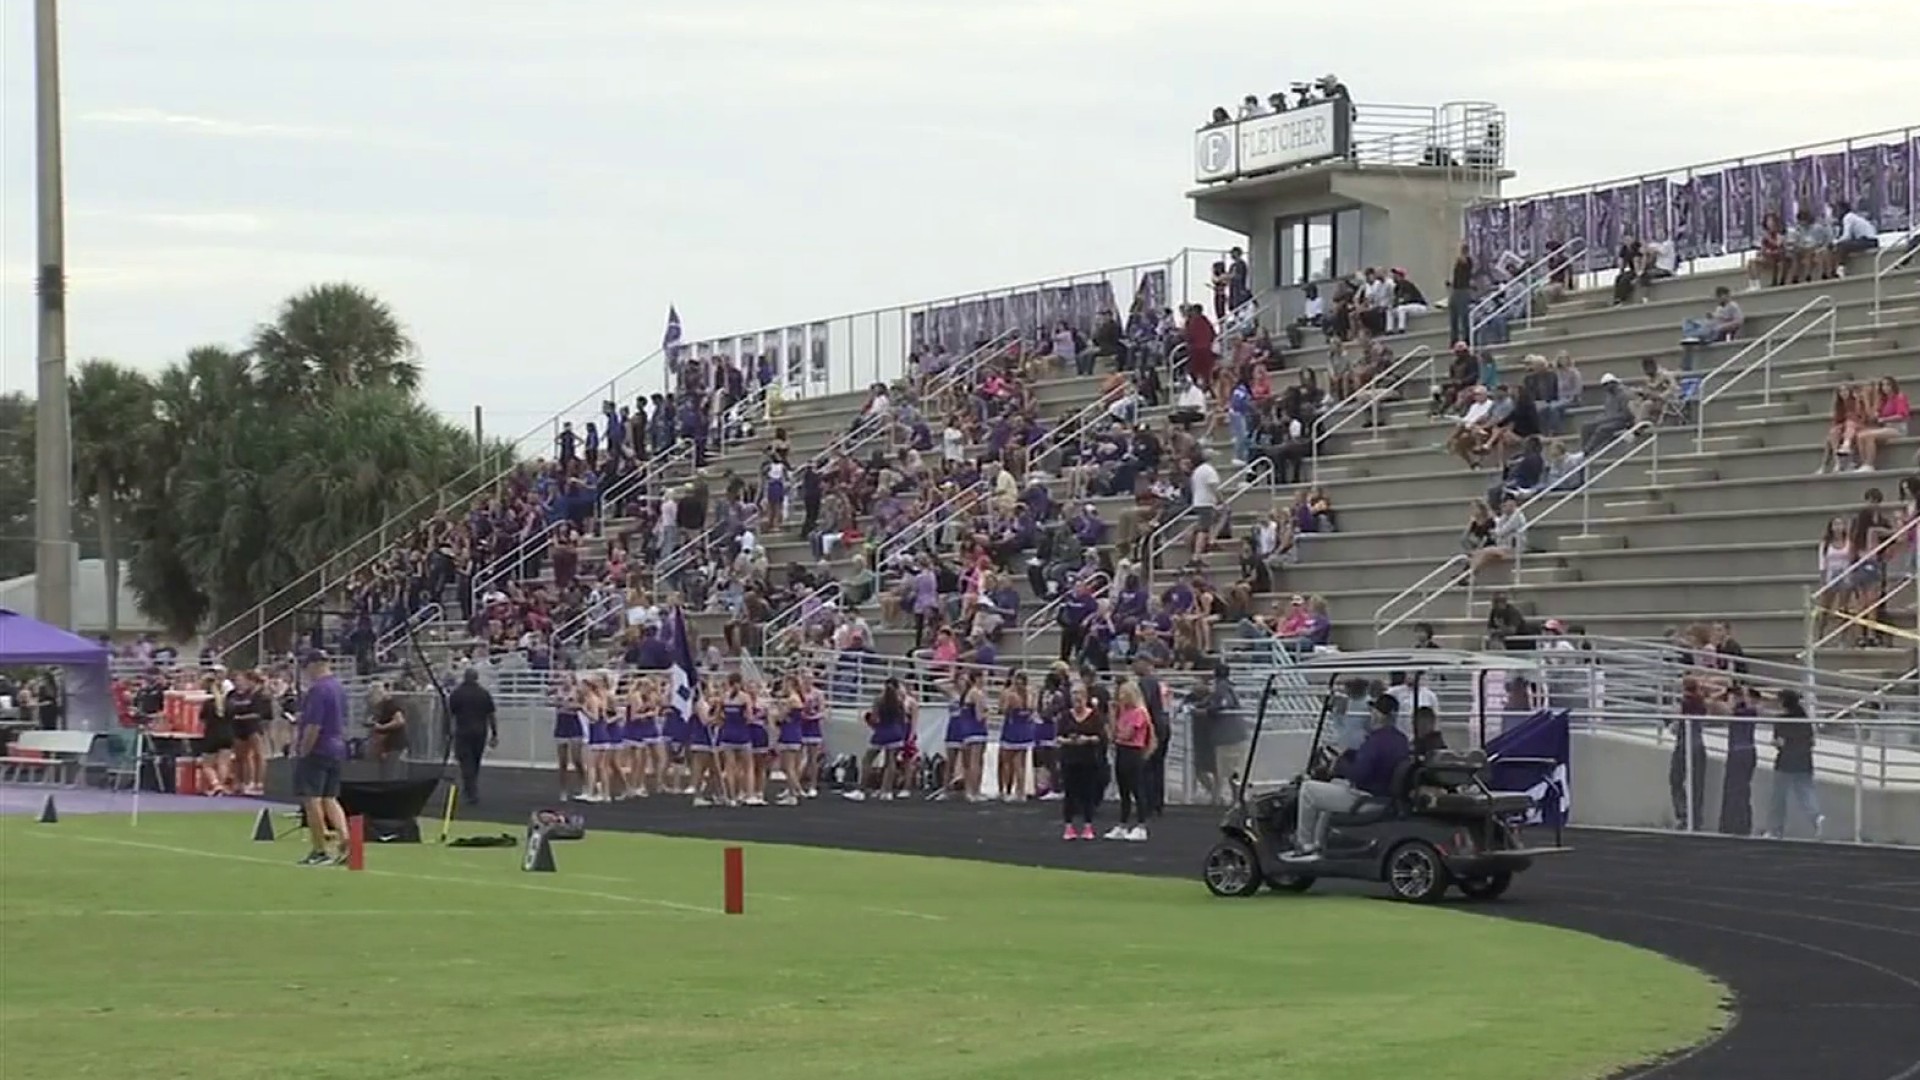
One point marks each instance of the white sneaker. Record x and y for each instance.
(812, 793)
(1053, 796)
(755, 800)
(700, 801)
(886, 796)
(788, 800)
(1138, 832)
(1819, 826)
(1118, 832)
(856, 795)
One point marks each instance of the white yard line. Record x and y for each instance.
(668, 905)
(275, 913)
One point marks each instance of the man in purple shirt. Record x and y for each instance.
(320, 745)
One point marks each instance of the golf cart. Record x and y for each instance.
(1442, 824)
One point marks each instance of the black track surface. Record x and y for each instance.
(1819, 944)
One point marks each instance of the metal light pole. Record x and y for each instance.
(53, 562)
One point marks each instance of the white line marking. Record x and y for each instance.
(230, 857)
(275, 913)
(904, 913)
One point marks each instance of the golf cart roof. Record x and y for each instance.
(1423, 661)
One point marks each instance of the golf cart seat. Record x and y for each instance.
(1374, 808)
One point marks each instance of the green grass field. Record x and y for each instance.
(181, 949)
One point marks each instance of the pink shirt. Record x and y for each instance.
(1896, 409)
(1132, 727)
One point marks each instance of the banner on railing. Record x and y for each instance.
(817, 352)
(796, 355)
(1721, 211)
(959, 327)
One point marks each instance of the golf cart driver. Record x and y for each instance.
(1355, 775)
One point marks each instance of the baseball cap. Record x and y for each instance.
(1386, 705)
(1608, 379)
(312, 655)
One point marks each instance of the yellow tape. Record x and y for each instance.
(1875, 624)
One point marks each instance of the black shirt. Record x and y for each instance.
(388, 710)
(1462, 273)
(1796, 747)
(472, 709)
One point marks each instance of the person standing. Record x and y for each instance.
(476, 729)
(1083, 743)
(1460, 297)
(1153, 781)
(319, 747)
(1793, 768)
(1686, 767)
(1133, 743)
(1736, 792)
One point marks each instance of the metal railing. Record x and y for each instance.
(392, 639)
(1881, 555)
(1886, 261)
(376, 543)
(1367, 399)
(1520, 289)
(1459, 569)
(795, 615)
(1042, 620)
(1257, 471)
(507, 565)
(920, 529)
(1808, 316)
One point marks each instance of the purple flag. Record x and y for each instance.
(1545, 741)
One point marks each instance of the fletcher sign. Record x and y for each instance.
(1276, 141)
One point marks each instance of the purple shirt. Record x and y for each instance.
(324, 708)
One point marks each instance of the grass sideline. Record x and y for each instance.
(181, 949)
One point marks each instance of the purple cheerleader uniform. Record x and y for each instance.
(733, 727)
(1017, 733)
(602, 735)
(566, 725)
(642, 729)
(964, 726)
(757, 734)
(700, 737)
(674, 728)
(811, 733)
(890, 730)
(1044, 733)
(790, 734)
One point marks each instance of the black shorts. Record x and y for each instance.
(1207, 515)
(243, 730)
(316, 778)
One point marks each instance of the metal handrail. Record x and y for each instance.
(962, 502)
(1042, 620)
(795, 614)
(1763, 363)
(386, 642)
(1589, 479)
(1231, 488)
(1532, 278)
(1900, 253)
(411, 515)
(1367, 399)
(1074, 426)
(1876, 554)
(499, 568)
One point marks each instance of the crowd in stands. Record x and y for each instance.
(1325, 88)
(1865, 558)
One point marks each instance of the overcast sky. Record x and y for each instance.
(531, 184)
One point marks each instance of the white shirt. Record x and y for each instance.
(1409, 700)
(1191, 398)
(879, 406)
(1206, 485)
(747, 541)
(1855, 226)
(1251, 109)
(953, 444)
(1379, 293)
(1295, 429)
(1316, 307)
(1477, 412)
(1666, 257)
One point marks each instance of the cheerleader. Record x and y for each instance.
(759, 745)
(704, 778)
(889, 720)
(813, 737)
(642, 738)
(1016, 739)
(967, 735)
(569, 737)
(596, 705)
(789, 712)
(1055, 701)
(774, 487)
(736, 739)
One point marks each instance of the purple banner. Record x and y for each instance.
(797, 355)
(1476, 238)
(1626, 212)
(1499, 230)
(1603, 231)
(1681, 216)
(1526, 230)
(1772, 190)
(817, 343)
(1709, 222)
(1573, 224)
(1803, 192)
(1656, 210)
(1743, 223)
(1549, 231)
(1896, 185)
(1830, 181)
(1863, 181)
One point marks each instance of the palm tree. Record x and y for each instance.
(330, 337)
(113, 407)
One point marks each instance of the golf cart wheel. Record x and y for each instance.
(1293, 883)
(1231, 869)
(1415, 873)
(1490, 887)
